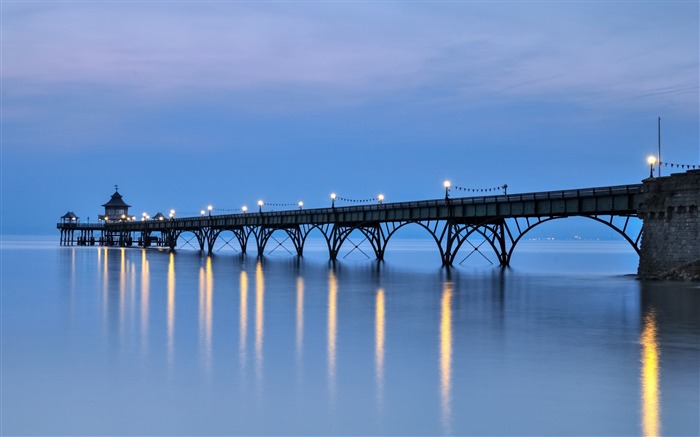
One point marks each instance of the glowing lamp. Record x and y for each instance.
(651, 160)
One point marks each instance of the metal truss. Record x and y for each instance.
(502, 235)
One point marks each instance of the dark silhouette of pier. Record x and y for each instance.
(500, 221)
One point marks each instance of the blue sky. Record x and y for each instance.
(185, 104)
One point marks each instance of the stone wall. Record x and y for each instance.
(671, 229)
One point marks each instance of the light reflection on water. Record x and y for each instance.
(650, 378)
(259, 319)
(446, 356)
(144, 299)
(332, 347)
(243, 328)
(206, 314)
(379, 329)
(332, 332)
(171, 311)
(300, 320)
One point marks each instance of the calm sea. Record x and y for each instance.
(100, 341)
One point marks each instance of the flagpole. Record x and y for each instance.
(659, 130)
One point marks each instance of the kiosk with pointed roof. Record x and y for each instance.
(69, 218)
(116, 209)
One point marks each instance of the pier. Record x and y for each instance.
(668, 207)
(499, 220)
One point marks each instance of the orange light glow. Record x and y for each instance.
(651, 424)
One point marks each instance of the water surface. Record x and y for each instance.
(100, 341)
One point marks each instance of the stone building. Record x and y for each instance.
(671, 230)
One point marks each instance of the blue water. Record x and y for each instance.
(116, 341)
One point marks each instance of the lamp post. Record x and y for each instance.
(651, 160)
(301, 204)
(260, 205)
(380, 198)
(244, 209)
(447, 186)
(202, 212)
(172, 214)
(333, 196)
(209, 208)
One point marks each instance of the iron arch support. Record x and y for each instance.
(297, 236)
(201, 238)
(492, 232)
(384, 232)
(635, 244)
(440, 230)
(211, 236)
(242, 234)
(336, 239)
(375, 235)
(262, 235)
(304, 231)
(380, 233)
(516, 237)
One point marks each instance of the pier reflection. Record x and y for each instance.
(300, 319)
(259, 321)
(651, 425)
(243, 318)
(446, 356)
(379, 334)
(145, 299)
(122, 292)
(206, 291)
(332, 330)
(103, 263)
(171, 311)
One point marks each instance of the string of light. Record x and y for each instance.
(503, 188)
(281, 204)
(227, 209)
(345, 199)
(689, 166)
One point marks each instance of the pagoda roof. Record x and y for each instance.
(116, 201)
(70, 215)
(159, 216)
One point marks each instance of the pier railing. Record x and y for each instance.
(613, 199)
(79, 225)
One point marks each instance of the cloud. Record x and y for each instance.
(589, 53)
